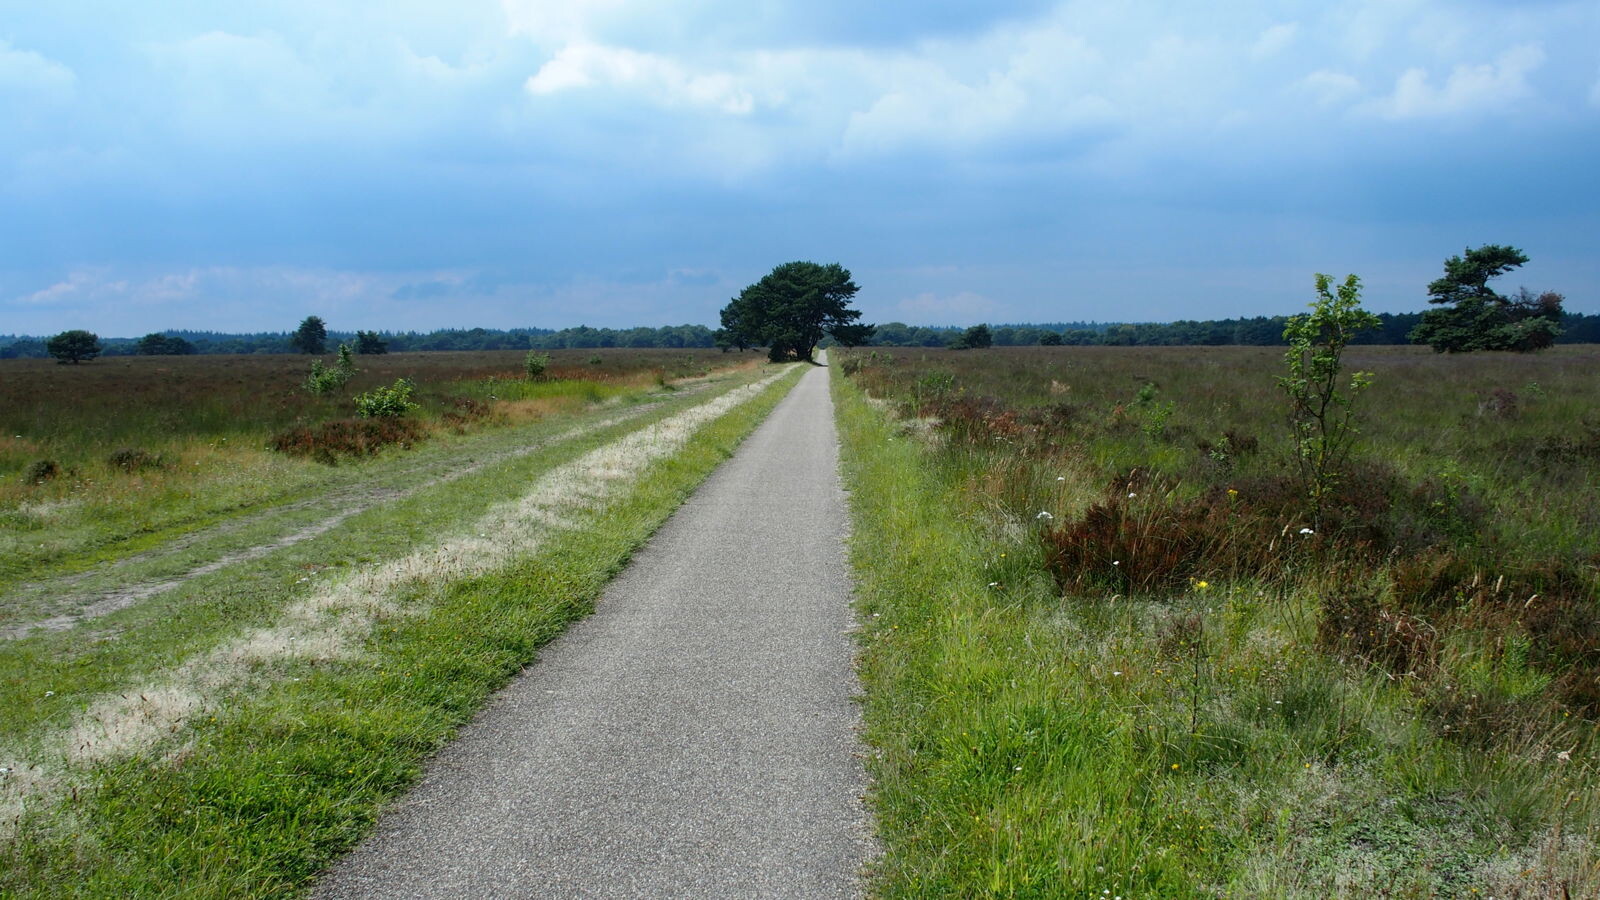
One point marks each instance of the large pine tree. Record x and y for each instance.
(791, 308)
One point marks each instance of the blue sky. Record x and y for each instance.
(406, 164)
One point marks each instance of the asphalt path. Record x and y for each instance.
(694, 737)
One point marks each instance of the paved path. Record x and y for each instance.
(694, 737)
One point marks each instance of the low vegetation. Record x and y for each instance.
(1112, 648)
(233, 432)
(233, 731)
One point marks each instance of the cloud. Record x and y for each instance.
(1019, 82)
(1329, 87)
(76, 286)
(28, 72)
(958, 308)
(1494, 86)
(1274, 40)
(663, 80)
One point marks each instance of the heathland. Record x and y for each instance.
(123, 452)
(1111, 651)
(219, 660)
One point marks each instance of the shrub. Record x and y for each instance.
(353, 438)
(325, 379)
(535, 364)
(1354, 625)
(40, 471)
(1321, 414)
(464, 411)
(132, 459)
(389, 402)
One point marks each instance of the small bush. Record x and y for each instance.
(1355, 626)
(324, 379)
(132, 459)
(389, 402)
(42, 470)
(350, 438)
(464, 411)
(1500, 403)
(535, 364)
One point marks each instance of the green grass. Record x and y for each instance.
(1199, 742)
(296, 767)
(209, 419)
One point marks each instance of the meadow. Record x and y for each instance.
(1112, 648)
(124, 452)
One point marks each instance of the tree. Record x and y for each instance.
(977, 337)
(158, 344)
(74, 346)
(1476, 317)
(792, 307)
(1322, 415)
(1050, 339)
(369, 344)
(311, 337)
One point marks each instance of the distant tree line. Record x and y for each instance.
(1263, 331)
(180, 342)
(1393, 328)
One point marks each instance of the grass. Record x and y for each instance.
(1045, 727)
(291, 763)
(200, 427)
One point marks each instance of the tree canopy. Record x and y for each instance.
(1478, 318)
(311, 336)
(368, 343)
(790, 309)
(158, 344)
(74, 346)
(978, 337)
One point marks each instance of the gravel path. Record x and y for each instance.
(694, 737)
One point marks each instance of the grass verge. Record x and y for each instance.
(1029, 745)
(253, 799)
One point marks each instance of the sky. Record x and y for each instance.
(405, 164)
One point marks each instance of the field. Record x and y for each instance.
(135, 449)
(212, 697)
(1112, 648)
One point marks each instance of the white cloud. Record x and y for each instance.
(1024, 81)
(76, 286)
(664, 80)
(29, 73)
(1329, 87)
(1469, 89)
(1274, 40)
(557, 21)
(961, 307)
